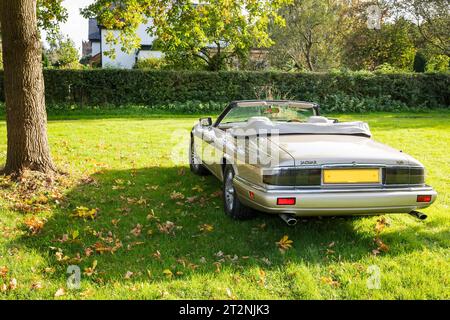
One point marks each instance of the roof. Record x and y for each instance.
(94, 30)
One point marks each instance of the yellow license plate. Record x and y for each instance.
(334, 176)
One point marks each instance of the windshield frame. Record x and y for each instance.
(251, 103)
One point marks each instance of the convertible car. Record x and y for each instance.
(282, 157)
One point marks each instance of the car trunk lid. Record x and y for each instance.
(313, 149)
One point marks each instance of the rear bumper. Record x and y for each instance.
(334, 201)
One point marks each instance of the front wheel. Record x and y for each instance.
(233, 207)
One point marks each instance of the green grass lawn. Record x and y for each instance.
(149, 246)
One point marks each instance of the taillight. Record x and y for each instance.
(285, 201)
(293, 177)
(423, 198)
(404, 175)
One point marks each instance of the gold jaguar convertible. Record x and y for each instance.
(282, 157)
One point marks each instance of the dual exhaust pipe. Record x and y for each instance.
(292, 221)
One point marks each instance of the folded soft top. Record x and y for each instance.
(262, 125)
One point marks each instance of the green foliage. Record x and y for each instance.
(150, 63)
(438, 63)
(213, 31)
(369, 48)
(50, 13)
(62, 53)
(310, 38)
(337, 91)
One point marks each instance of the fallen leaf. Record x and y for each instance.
(89, 271)
(128, 275)
(176, 195)
(330, 281)
(60, 292)
(166, 227)
(284, 244)
(381, 245)
(191, 199)
(381, 224)
(75, 234)
(34, 224)
(168, 273)
(85, 213)
(136, 231)
(49, 270)
(262, 277)
(36, 286)
(88, 251)
(206, 227)
(3, 271)
(13, 284)
(157, 255)
(197, 188)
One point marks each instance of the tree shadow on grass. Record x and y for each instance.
(160, 219)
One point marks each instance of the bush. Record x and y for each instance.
(150, 63)
(337, 91)
(439, 63)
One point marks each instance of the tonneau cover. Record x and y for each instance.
(261, 126)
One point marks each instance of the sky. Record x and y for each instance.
(76, 27)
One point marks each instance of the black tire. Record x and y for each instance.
(194, 164)
(232, 206)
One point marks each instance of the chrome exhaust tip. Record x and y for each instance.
(418, 215)
(289, 219)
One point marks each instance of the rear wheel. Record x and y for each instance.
(195, 163)
(233, 207)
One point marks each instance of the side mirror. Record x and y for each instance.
(205, 122)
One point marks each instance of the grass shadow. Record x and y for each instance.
(154, 220)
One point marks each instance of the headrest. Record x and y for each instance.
(259, 120)
(318, 119)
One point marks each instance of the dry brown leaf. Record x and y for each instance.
(157, 255)
(284, 244)
(12, 284)
(381, 224)
(34, 224)
(60, 292)
(3, 271)
(36, 286)
(176, 195)
(136, 231)
(330, 281)
(166, 227)
(89, 271)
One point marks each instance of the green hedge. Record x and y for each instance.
(334, 91)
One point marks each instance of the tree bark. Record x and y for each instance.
(26, 117)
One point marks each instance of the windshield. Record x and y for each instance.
(286, 113)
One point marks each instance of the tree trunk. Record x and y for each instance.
(26, 116)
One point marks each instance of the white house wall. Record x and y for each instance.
(126, 60)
